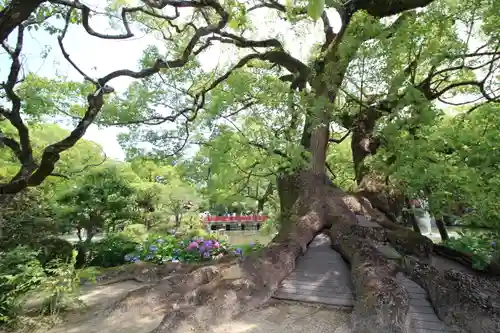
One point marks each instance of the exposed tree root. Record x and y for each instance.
(465, 302)
(382, 304)
(144, 272)
(213, 294)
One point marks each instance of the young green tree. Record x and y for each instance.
(103, 199)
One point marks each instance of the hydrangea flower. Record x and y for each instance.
(252, 244)
(160, 241)
(192, 245)
(206, 255)
(216, 245)
(238, 251)
(153, 248)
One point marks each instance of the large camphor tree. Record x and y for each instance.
(379, 73)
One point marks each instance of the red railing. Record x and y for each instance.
(235, 219)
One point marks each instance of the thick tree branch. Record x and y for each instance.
(384, 8)
(14, 14)
(341, 139)
(36, 173)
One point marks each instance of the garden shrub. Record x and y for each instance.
(55, 248)
(136, 231)
(177, 247)
(110, 251)
(20, 273)
(483, 247)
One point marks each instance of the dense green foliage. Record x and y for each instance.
(204, 135)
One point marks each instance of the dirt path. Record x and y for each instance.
(276, 317)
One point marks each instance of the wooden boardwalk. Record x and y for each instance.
(322, 276)
(423, 318)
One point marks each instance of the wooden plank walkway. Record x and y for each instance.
(423, 318)
(320, 276)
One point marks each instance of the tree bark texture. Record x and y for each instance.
(15, 13)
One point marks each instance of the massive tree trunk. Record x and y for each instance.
(365, 143)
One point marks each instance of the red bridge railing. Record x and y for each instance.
(235, 219)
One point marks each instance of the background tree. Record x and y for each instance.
(103, 199)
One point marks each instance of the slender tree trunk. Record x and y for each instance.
(442, 229)
(414, 223)
(90, 233)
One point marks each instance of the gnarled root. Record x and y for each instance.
(214, 294)
(466, 302)
(382, 304)
(152, 298)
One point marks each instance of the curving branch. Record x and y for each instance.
(33, 173)
(14, 14)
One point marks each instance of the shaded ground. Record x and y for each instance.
(276, 317)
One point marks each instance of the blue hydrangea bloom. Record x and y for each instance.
(159, 240)
(206, 255)
(153, 248)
